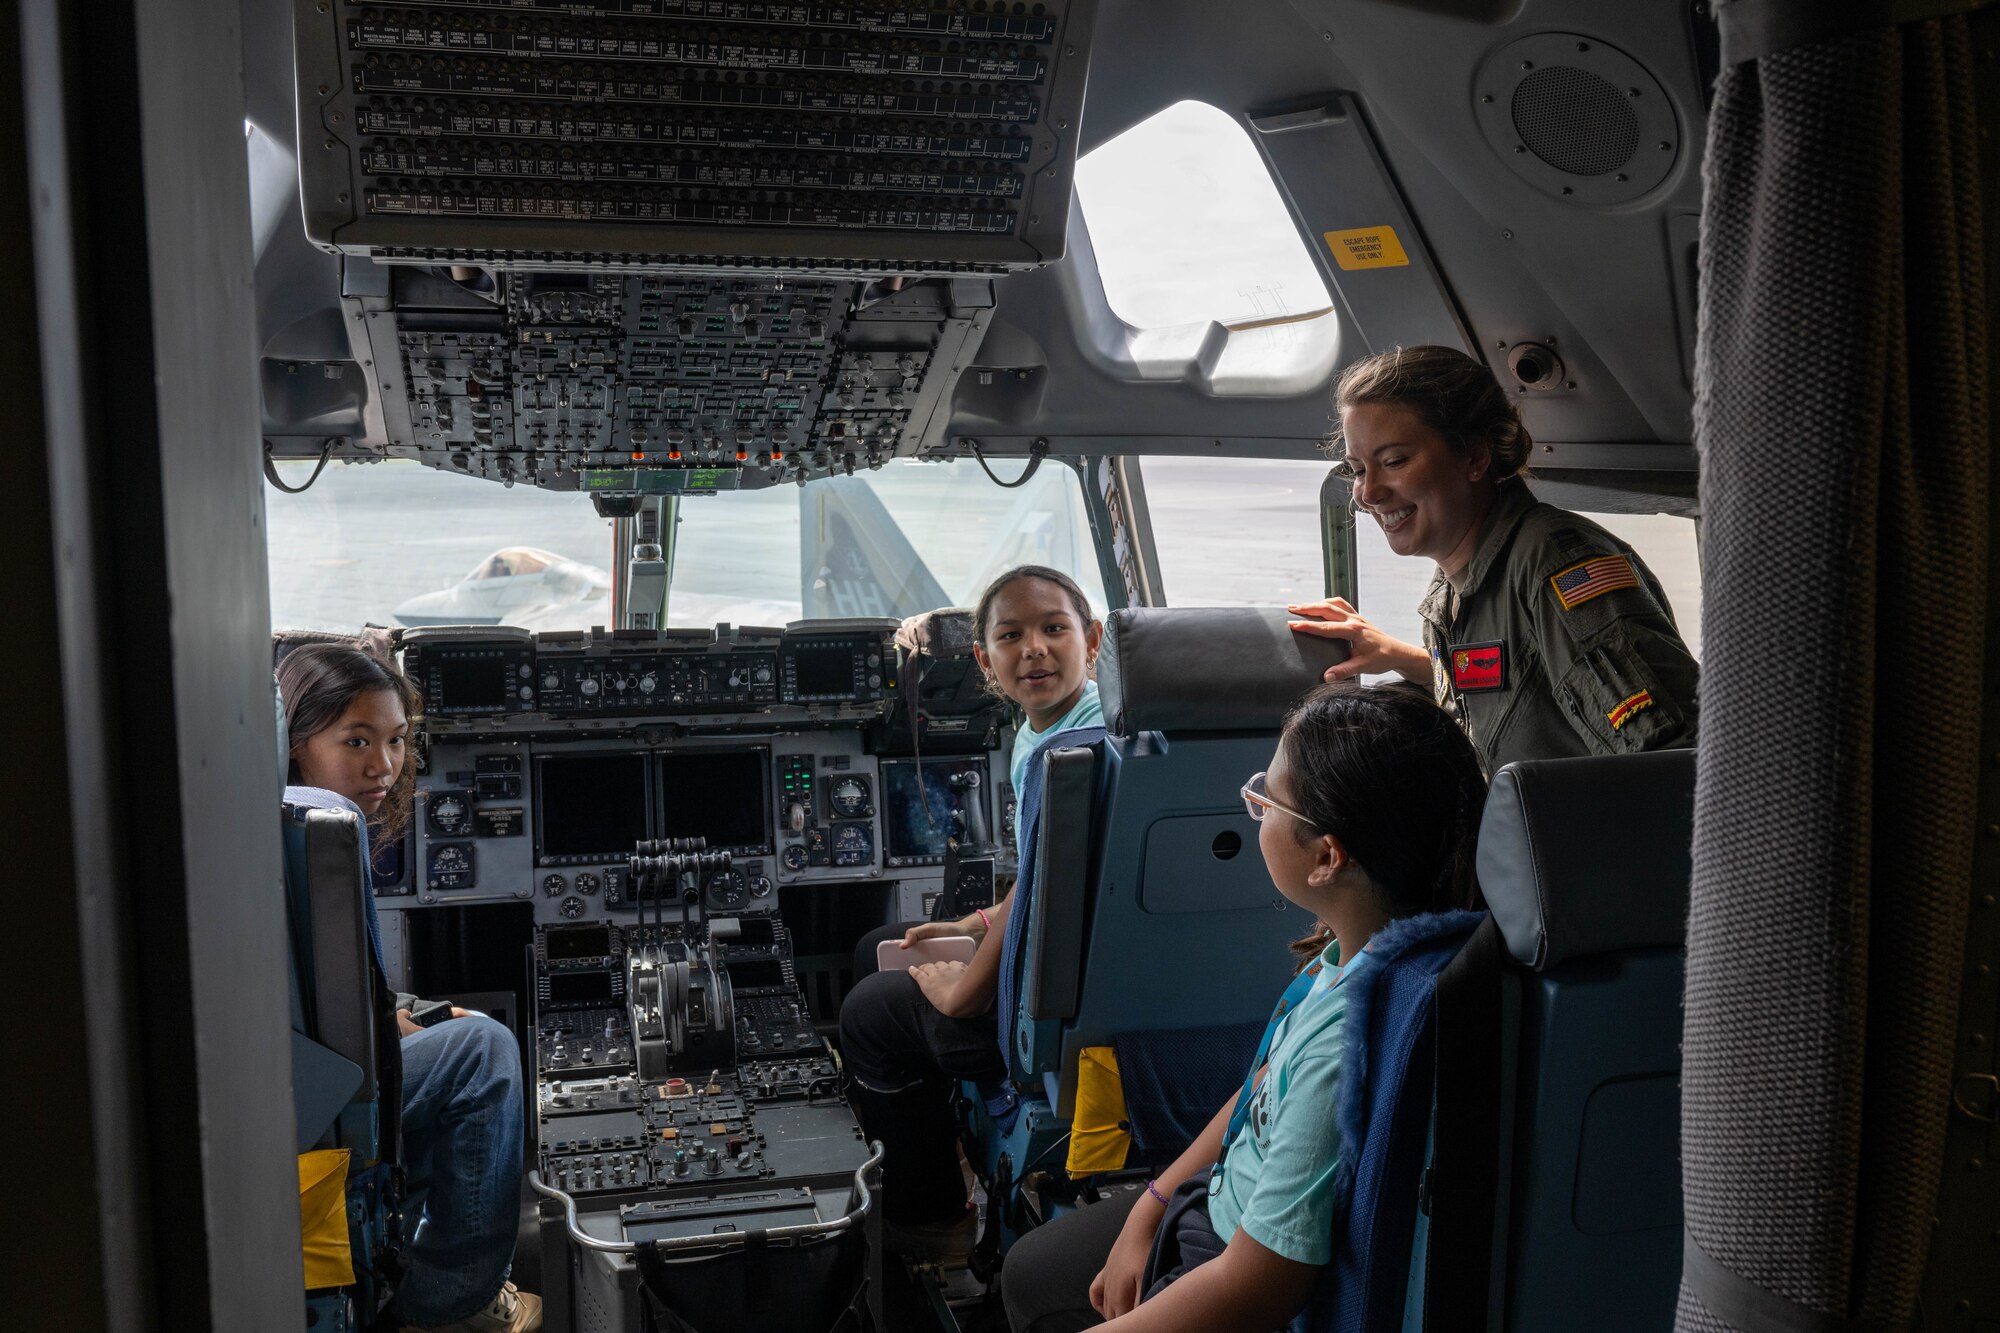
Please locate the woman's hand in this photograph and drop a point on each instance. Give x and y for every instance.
(1117, 1287)
(1369, 650)
(939, 983)
(931, 930)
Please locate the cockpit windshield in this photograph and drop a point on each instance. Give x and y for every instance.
(395, 543)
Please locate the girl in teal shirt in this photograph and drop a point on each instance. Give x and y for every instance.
(1368, 813)
(908, 1037)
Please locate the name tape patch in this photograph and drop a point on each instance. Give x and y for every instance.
(1593, 578)
(1479, 666)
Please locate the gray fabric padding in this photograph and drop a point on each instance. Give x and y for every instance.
(1588, 856)
(1841, 417)
(1206, 668)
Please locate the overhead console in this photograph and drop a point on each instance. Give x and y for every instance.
(647, 247)
(620, 384)
(878, 135)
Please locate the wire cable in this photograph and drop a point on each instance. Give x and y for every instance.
(325, 455)
(1036, 453)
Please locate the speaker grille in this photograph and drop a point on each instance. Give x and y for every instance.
(1575, 121)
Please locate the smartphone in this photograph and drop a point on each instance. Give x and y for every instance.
(891, 956)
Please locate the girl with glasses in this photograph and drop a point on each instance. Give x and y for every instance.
(1368, 814)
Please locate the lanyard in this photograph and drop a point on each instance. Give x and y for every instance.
(1295, 995)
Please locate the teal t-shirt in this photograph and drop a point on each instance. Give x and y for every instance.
(1276, 1180)
(1085, 712)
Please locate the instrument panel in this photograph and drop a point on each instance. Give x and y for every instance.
(493, 677)
(549, 758)
(561, 822)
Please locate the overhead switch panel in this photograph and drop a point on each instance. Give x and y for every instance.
(841, 138)
(661, 382)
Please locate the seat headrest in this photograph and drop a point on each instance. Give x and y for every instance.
(1206, 668)
(1589, 856)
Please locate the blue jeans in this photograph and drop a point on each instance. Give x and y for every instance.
(462, 1112)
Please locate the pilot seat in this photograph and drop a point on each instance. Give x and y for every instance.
(346, 1062)
(1146, 941)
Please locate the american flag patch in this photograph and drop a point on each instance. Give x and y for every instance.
(1593, 578)
(1622, 714)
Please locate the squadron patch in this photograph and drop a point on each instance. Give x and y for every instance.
(1479, 666)
(1628, 708)
(1593, 578)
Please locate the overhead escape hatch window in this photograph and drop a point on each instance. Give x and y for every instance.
(1189, 230)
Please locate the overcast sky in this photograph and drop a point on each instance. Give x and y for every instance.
(1188, 226)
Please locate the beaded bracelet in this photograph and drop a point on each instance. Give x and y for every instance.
(1154, 1190)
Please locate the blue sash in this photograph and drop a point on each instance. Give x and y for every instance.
(1295, 995)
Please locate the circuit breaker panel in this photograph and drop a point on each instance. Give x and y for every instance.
(878, 135)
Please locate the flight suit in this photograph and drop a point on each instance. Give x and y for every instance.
(1557, 641)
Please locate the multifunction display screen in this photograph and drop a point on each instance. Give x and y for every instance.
(469, 684)
(589, 807)
(571, 942)
(720, 795)
(917, 813)
(824, 671)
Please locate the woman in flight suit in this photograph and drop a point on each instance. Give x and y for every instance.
(1543, 632)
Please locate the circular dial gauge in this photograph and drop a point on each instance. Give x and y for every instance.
(449, 813)
(726, 888)
(849, 797)
(554, 886)
(760, 886)
(450, 867)
(586, 882)
(794, 857)
(572, 907)
(852, 844)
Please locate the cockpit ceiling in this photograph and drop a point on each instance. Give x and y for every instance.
(669, 245)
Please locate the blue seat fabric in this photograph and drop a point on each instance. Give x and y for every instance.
(1383, 1108)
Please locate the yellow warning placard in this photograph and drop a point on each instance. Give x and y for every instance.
(1367, 247)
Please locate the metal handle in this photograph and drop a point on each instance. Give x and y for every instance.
(864, 1201)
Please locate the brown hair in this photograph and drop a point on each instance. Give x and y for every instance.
(1392, 776)
(318, 682)
(983, 614)
(1450, 392)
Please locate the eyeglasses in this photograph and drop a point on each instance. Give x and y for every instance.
(1257, 800)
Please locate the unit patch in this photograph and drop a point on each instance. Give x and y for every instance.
(1627, 708)
(1479, 666)
(1593, 578)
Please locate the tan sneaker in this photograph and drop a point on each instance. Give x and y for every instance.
(511, 1311)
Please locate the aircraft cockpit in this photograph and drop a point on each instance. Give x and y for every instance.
(790, 555)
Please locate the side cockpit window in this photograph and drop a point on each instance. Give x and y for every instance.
(1189, 230)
